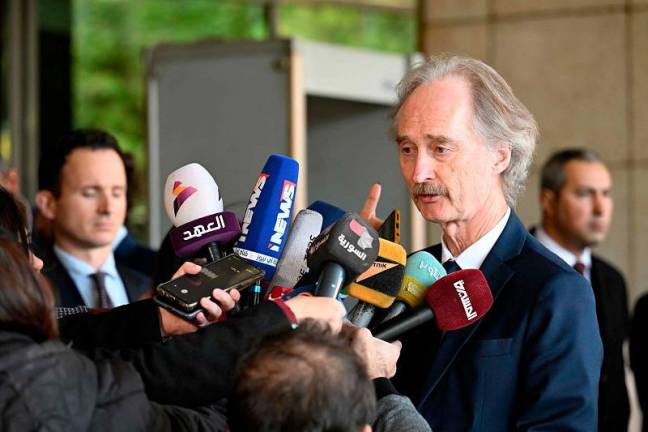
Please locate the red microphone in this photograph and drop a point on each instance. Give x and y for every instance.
(455, 301)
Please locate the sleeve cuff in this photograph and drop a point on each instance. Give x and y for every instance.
(288, 312)
(384, 387)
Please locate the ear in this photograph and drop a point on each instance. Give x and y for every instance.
(547, 201)
(46, 203)
(502, 158)
(366, 428)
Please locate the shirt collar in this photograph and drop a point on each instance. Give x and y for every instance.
(564, 254)
(474, 256)
(121, 234)
(74, 265)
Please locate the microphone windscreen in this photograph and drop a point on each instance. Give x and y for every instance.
(330, 213)
(351, 242)
(191, 193)
(267, 217)
(221, 228)
(421, 270)
(382, 281)
(292, 264)
(459, 299)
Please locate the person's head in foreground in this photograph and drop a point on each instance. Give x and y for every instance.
(305, 380)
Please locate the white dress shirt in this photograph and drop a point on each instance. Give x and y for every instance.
(473, 257)
(564, 254)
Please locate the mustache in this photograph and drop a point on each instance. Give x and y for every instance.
(429, 189)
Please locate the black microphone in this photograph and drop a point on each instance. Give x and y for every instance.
(341, 252)
(378, 286)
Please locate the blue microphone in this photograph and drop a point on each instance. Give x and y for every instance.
(330, 213)
(267, 217)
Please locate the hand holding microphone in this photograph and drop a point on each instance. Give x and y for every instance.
(324, 309)
(379, 357)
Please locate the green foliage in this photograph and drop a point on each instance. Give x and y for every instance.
(110, 37)
(350, 26)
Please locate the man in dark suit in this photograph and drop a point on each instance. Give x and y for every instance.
(533, 362)
(135, 284)
(639, 354)
(83, 196)
(576, 200)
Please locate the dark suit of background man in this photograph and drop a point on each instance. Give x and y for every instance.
(83, 195)
(576, 200)
(533, 362)
(639, 354)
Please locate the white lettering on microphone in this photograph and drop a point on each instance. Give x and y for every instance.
(465, 300)
(287, 197)
(200, 230)
(249, 212)
(432, 270)
(315, 246)
(304, 269)
(346, 244)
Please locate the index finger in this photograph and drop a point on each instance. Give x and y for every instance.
(371, 204)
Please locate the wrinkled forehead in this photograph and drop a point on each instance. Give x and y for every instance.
(441, 109)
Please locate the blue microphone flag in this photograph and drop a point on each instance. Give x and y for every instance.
(267, 216)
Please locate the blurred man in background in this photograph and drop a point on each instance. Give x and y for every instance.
(576, 200)
(82, 194)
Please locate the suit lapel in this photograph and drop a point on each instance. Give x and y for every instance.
(497, 273)
(135, 283)
(67, 293)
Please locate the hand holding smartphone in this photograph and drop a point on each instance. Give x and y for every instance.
(182, 295)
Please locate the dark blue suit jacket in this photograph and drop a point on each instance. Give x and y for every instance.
(67, 294)
(132, 254)
(532, 363)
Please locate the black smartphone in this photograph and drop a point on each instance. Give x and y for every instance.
(390, 229)
(182, 295)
